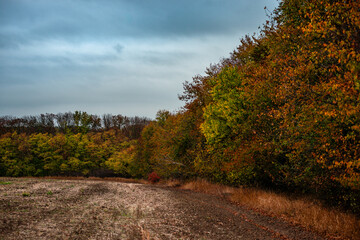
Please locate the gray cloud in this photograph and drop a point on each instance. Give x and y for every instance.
(75, 20)
(116, 56)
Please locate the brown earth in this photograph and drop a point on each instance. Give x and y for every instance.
(73, 209)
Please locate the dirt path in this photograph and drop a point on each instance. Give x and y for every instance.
(71, 209)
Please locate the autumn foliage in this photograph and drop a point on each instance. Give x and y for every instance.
(153, 177)
(71, 144)
(282, 111)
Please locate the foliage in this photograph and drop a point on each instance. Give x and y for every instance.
(282, 111)
(153, 177)
(122, 161)
(65, 154)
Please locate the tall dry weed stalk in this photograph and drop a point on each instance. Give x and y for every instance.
(145, 235)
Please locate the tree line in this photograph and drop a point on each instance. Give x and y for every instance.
(75, 122)
(102, 154)
(70, 144)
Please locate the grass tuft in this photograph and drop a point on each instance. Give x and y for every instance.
(26, 194)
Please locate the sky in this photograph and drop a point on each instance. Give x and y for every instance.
(128, 57)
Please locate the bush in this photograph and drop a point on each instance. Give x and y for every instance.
(153, 177)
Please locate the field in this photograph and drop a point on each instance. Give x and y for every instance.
(88, 209)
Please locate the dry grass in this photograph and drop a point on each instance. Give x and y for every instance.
(204, 186)
(305, 212)
(172, 183)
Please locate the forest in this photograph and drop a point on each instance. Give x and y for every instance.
(281, 112)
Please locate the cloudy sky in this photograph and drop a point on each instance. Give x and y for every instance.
(125, 57)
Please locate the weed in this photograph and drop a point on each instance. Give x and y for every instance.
(5, 183)
(26, 194)
(49, 193)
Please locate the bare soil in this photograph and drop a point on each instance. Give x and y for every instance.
(89, 209)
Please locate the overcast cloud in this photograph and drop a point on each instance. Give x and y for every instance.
(125, 57)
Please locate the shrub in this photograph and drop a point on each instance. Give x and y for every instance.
(153, 177)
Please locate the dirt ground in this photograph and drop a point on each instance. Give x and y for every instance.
(74, 209)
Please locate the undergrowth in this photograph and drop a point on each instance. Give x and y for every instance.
(304, 211)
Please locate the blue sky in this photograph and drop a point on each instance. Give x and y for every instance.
(127, 57)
